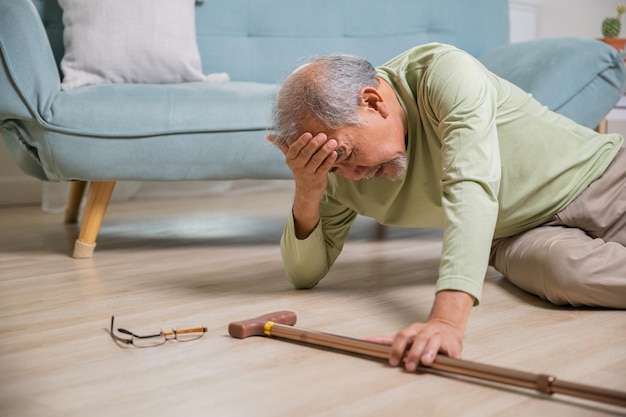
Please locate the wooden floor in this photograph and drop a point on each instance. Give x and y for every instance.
(208, 261)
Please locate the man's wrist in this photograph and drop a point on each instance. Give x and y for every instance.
(306, 216)
(452, 308)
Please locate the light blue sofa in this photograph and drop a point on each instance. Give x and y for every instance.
(212, 131)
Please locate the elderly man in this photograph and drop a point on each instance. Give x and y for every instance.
(433, 139)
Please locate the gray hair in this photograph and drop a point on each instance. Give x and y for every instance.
(327, 88)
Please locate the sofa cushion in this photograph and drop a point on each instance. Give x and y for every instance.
(133, 110)
(119, 41)
(579, 78)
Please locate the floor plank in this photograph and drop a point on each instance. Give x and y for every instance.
(211, 260)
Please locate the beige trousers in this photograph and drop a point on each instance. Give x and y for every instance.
(578, 258)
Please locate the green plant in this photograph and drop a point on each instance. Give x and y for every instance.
(611, 26)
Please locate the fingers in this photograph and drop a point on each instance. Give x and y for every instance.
(429, 353)
(315, 154)
(420, 343)
(402, 343)
(309, 147)
(404, 346)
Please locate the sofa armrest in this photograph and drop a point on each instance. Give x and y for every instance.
(29, 78)
(578, 78)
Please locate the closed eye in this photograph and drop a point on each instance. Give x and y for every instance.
(343, 151)
(340, 153)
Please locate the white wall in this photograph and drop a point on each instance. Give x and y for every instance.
(532, 19)
(575, 17)
(523, 16)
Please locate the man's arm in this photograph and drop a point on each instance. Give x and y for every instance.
(309, 245)
(459, 95)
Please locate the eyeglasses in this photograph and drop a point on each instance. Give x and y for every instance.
(184, 335)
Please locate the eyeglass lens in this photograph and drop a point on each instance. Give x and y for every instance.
(184, 335)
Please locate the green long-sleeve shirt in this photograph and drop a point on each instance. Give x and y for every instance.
(485, 160)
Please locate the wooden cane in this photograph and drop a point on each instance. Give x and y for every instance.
(278, 324)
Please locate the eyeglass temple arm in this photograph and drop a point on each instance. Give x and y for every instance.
(161, 333)
(128, 332)
(195, 330)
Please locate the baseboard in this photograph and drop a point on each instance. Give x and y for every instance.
(16, 191)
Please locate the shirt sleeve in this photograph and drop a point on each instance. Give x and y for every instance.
(459, 95)
(307, 261)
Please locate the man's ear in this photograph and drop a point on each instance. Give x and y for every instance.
(372, 98)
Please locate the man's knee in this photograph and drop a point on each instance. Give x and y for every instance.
(565, 268)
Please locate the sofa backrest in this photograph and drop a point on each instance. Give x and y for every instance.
(263, 40)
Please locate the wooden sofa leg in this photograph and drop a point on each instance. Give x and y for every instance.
(72, 210)
(97, 203)
(381, 232)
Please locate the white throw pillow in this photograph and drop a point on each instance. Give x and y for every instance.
(129, 41)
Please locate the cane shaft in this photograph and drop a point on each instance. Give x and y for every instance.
(590, 392)
(311, 337)
(546, 384)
